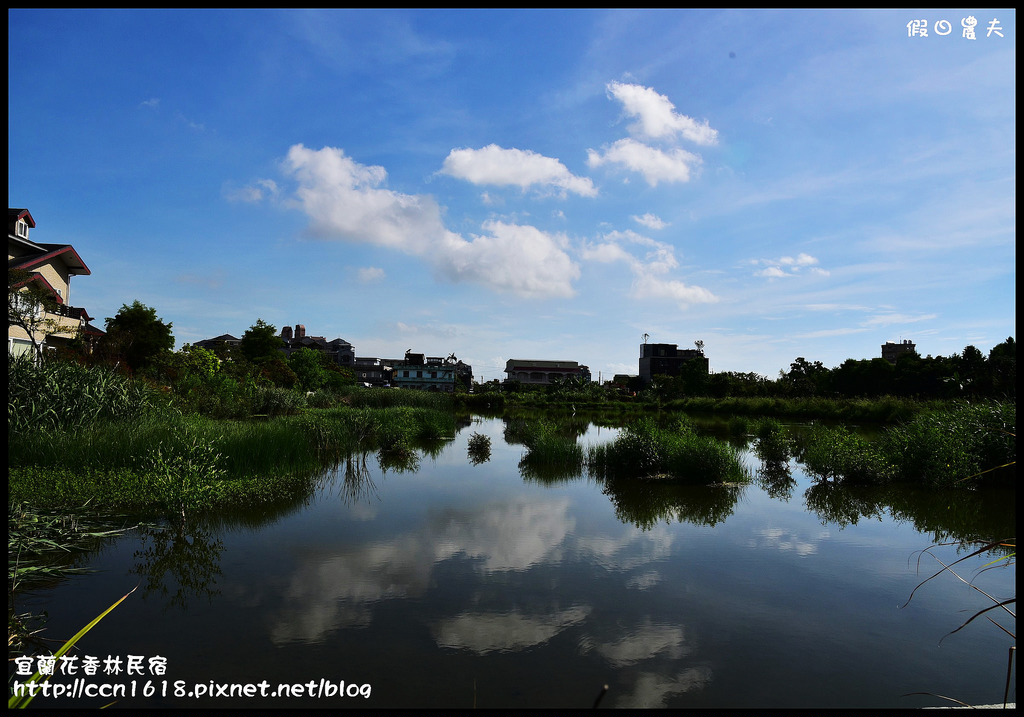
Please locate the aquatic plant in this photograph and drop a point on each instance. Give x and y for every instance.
(1008, 548)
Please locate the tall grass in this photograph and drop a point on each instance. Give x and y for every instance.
(60, 395)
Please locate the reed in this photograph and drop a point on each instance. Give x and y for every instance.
(59, 395)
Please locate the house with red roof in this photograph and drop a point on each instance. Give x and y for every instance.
(48, 267)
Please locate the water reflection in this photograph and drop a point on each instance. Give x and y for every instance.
(776, 479)
(467, 569)
(958, 515)
(646, 503)
(332, 591)
(179, 562)
(483, 632)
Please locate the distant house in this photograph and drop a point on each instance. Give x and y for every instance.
(892, 351)
(50, 267)
(430, 373)
(338, 351)
(218, 342)
(529, 371)
(668, 360)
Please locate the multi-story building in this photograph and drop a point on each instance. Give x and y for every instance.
(430, 373)
(48, 267)
(529, 371)
(668, 360)
(372, 371)
(892, 351)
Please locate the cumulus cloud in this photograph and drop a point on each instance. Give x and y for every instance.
(515, 258)
(345, 200)
(521, 168)
(656, 165)
(656, 120)
(348, 201)
(656, 115)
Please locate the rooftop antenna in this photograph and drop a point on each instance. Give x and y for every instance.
(646, 336)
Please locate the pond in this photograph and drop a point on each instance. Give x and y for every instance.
(463, 584)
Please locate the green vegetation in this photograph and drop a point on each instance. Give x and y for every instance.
(646, 450)
(967, 444)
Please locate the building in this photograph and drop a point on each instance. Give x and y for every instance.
(372, 371)
(50, 268)
(669, 360)
(338, 351)
(430, 373)
(543, 373)
(223, 340)
(892, 351)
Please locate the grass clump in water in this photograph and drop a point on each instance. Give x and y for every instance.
(549, 452)
(646, 450)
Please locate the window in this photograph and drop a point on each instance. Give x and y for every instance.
(21, 229)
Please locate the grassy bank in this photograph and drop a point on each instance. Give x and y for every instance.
(140, 465)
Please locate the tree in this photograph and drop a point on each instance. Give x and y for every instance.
(137, 336)
(261, 343)
(1002, 363)
(308, 365)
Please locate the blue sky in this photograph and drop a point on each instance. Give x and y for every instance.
(542, 184)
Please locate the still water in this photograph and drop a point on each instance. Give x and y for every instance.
(461, 584)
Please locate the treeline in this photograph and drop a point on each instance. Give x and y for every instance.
(252, 377)
(968, 374)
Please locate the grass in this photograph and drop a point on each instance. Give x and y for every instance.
(211, 463)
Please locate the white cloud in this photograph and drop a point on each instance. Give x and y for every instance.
(343, 199)
(256, 192)
(788, 266)
(650, 221)
(346, 200)
(674, 165)
(522, 168)
(370, 274)
(648, 286)
(515, 258)
(892, 318)
(648, 271)
(657, 118)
